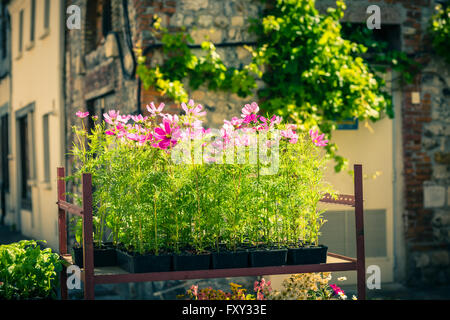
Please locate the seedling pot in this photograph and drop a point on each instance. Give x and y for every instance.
(229, 259)
(135, 263)
(190, 261)
(307, 255)
(268, 257)
(103, 257)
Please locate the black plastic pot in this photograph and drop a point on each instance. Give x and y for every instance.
(268, 257)
(229, 259)
(103, 257)
(135, 263)
(190, 261)
(307, 255)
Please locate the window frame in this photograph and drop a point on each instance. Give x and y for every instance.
(46, 147)
(32, 21)
(20, 34)
(5, 147)
(25, 146)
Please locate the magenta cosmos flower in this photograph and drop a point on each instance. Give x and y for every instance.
(154, 111)
(166, 135)
(290, 134)
(139, 118)
(111, 116)
(249, 109)
(336, 289)
(81, 114)
(191, 110)
(317, 139)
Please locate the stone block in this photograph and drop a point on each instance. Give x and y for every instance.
(439, 258)
(440, 171)
(176, 20)
(448, 196)
(201, 35)
(434, 196)
(237, 21)
(221, 22)
(188, 21)
(194, 5)
(442, 157)
(421, 260)
(205, 21)
(441, 219)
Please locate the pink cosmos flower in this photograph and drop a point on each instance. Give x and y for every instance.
(336, 289)
(154, 111)
(172, 118)
(111, 116)
(123, 119)
(249, 109)
(276, 120)
(139, 118)
(251, 118)
(290, 134)
(166, 135)
(194, 290)
(317, 139)
(81, 114)
(233, 123)
(291, 126)
(191, 110)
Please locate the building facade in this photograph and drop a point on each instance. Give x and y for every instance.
(36, 142)
(5, 105)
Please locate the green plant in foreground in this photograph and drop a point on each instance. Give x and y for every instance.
(27, 271)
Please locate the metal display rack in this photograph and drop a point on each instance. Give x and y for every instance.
(105, 275)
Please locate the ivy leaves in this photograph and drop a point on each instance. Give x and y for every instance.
(180, 63)
(313, 75)
(316, 78)
(440, 31)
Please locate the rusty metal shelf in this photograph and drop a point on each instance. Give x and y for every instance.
(92, 276)
(103, 275)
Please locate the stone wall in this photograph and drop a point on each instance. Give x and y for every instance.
(216, 21)
(428, 232)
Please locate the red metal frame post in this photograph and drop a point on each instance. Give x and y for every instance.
(359, 222)
(88, 242)
(61, 186)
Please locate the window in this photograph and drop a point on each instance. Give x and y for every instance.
(20, 31)
(25, 148)
(98, 22)
(3, 32)
(46, 14)
(46, 146)
(25, 168)
(32, 20)
(4, 151)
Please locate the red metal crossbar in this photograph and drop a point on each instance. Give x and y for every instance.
(90, 279)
